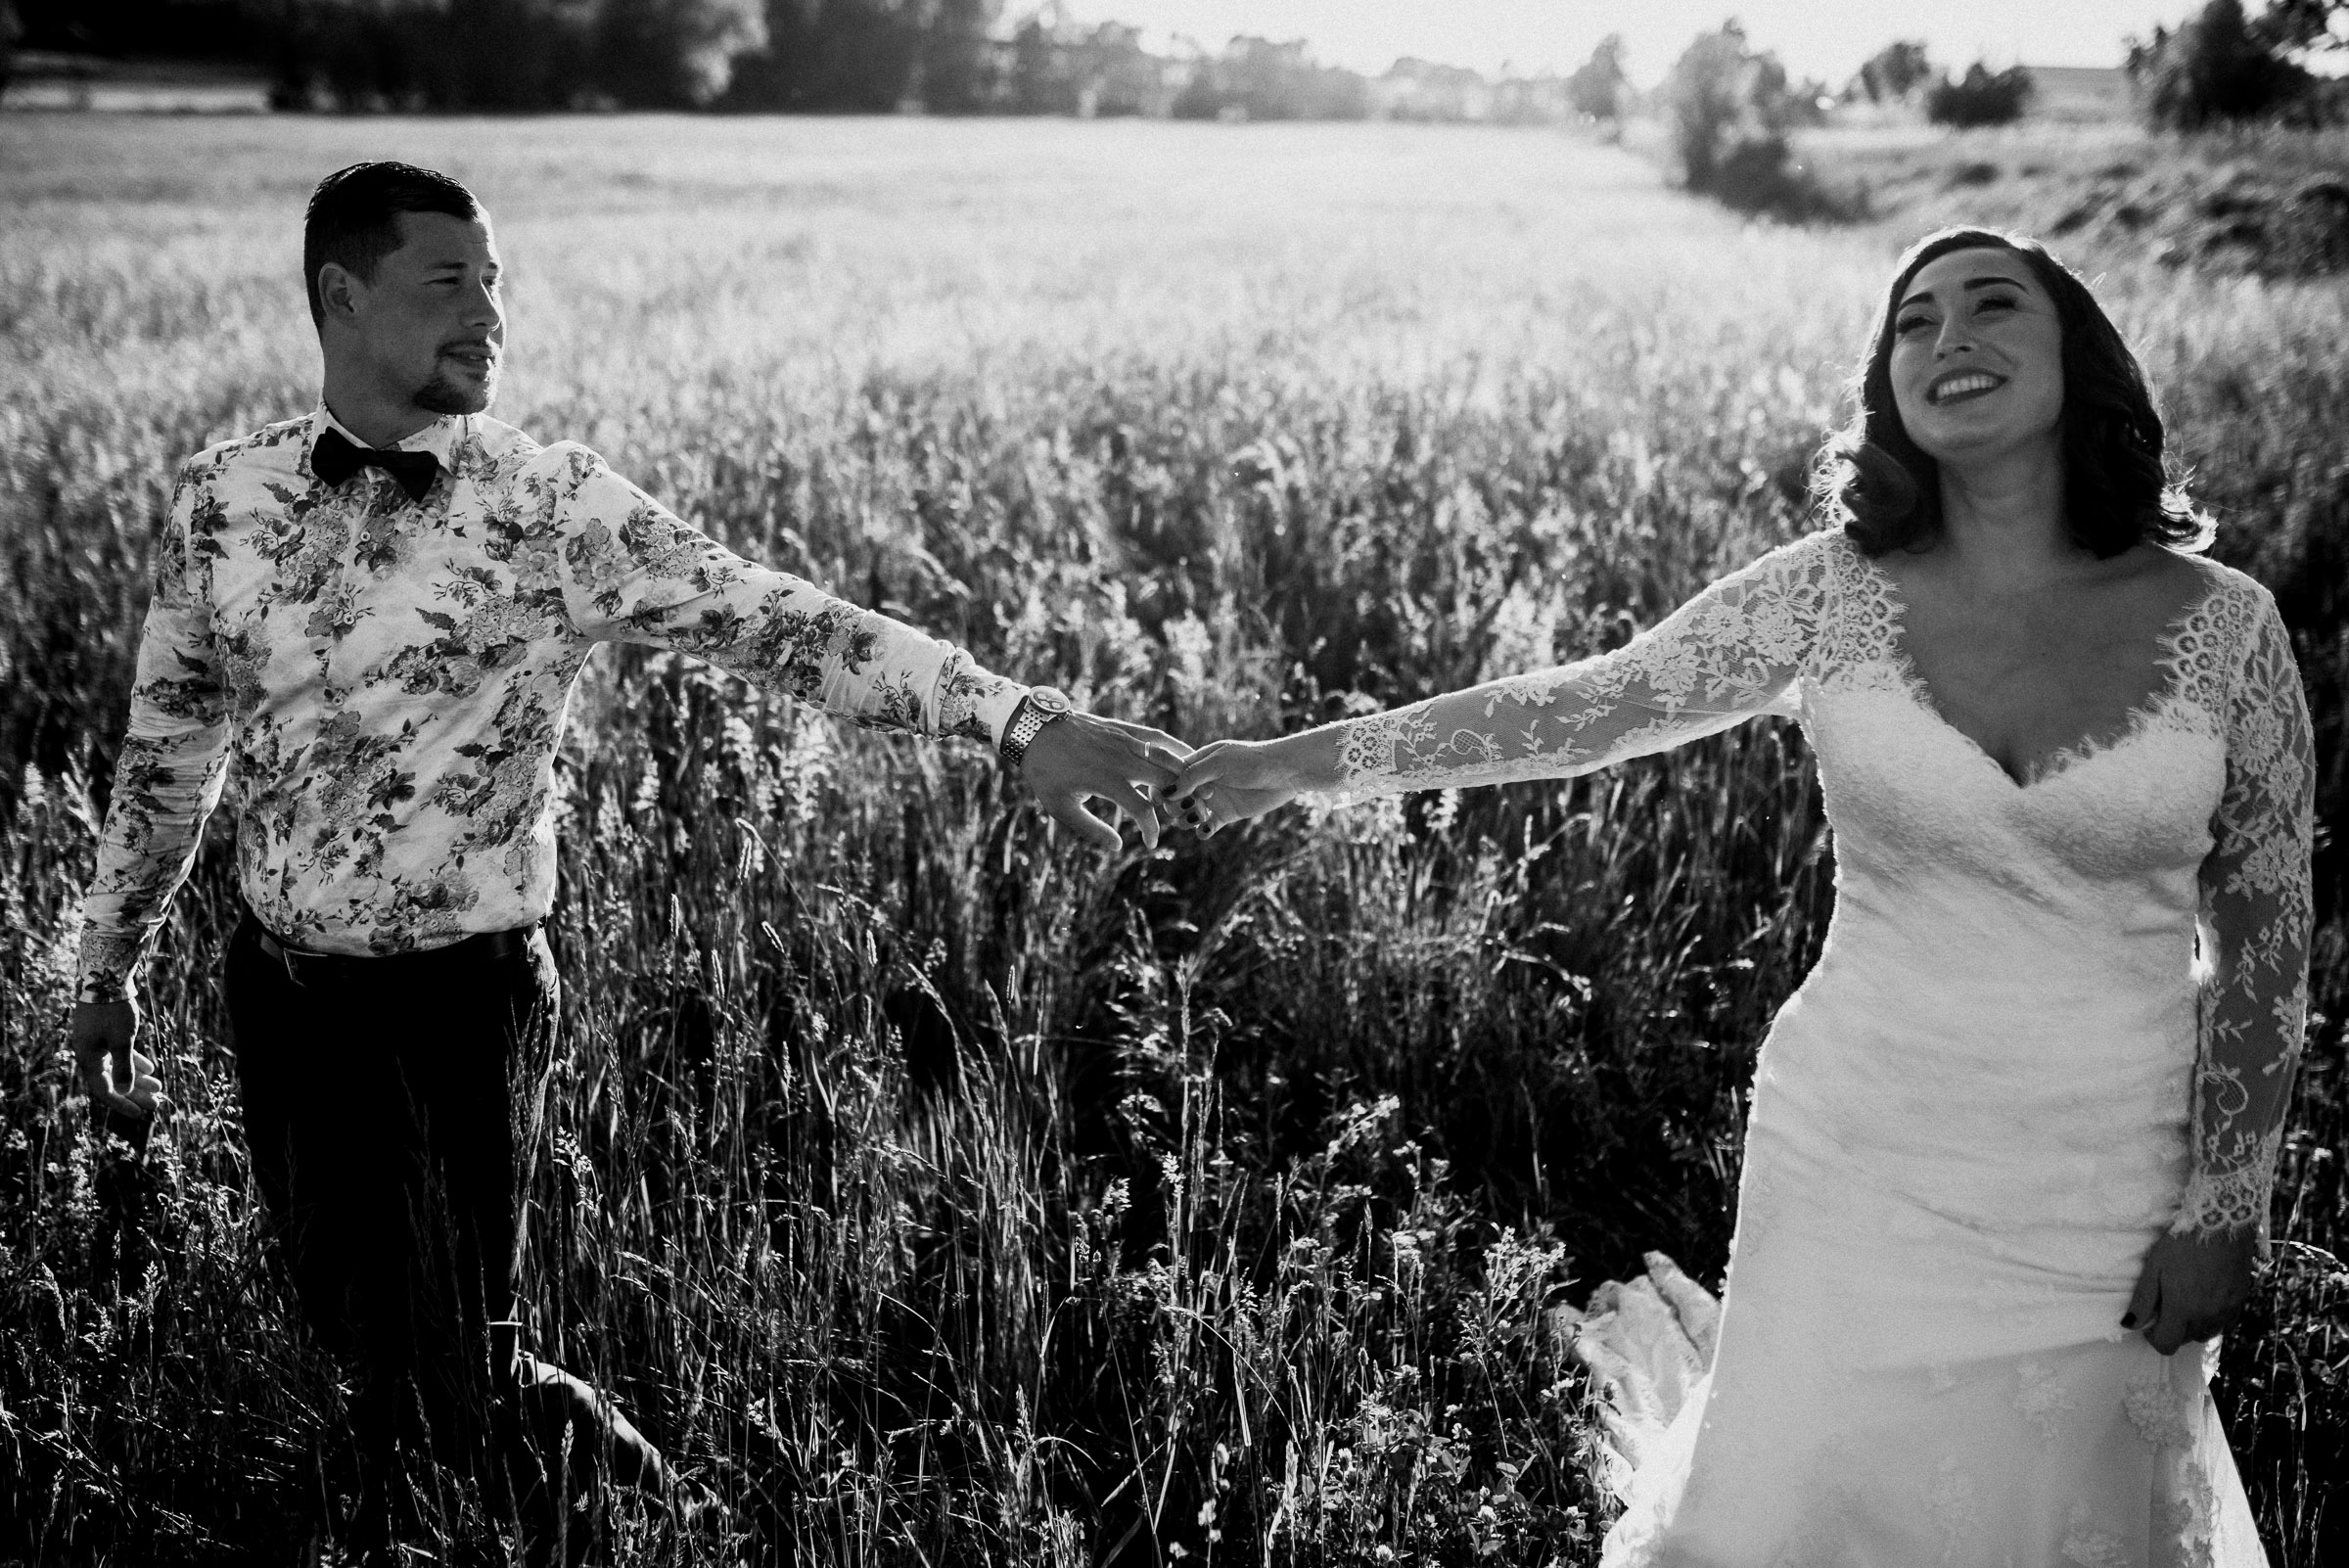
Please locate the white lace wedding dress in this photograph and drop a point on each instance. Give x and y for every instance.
(2013, 1066)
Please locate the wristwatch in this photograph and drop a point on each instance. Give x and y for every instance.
(1041, 706)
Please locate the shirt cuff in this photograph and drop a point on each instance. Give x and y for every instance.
(973, 702)
(105, 961)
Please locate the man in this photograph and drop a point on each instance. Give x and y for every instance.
(370, 619)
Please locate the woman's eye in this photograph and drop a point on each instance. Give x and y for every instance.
(1909, 324)
(1997, 303)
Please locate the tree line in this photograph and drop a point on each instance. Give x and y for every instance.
(2222, 64)
(1729, 104)
(953, 56)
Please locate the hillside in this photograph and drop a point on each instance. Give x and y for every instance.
(2271, 202)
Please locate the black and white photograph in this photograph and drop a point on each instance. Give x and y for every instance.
(1282, 783)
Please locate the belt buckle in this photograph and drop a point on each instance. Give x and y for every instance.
(286, 958)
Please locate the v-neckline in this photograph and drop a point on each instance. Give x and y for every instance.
(2054, 764)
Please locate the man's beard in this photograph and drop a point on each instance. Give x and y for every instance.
(444, 395)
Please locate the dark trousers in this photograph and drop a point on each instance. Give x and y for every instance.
(393, 1108)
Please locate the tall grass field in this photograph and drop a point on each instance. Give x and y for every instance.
(936, 1189)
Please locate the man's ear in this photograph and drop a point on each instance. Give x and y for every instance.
(339, 292)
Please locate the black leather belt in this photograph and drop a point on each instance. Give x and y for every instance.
(302, 967)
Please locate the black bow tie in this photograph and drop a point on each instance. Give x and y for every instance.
(335, 460)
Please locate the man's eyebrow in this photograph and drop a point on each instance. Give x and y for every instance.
(1991, 282)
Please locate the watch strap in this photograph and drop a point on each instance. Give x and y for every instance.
(1028, 721)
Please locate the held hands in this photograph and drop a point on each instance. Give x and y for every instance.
(1152, 776)
(1231, 781)
(121, 1081)
(2191, 1286)
(1087, 757)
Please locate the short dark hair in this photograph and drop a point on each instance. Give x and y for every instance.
(1886, 491)
(353, 219)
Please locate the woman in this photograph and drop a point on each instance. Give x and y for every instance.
(2011, 1142)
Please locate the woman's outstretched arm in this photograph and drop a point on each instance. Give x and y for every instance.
(1727, 655)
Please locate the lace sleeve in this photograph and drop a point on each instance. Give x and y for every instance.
(1727, 655)
(2256, 915)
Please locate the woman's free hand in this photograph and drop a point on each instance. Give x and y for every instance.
(1230, 781)
(2191, 1286)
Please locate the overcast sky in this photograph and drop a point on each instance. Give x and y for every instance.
(1824, 38)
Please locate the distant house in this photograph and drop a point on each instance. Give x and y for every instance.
(2080, 92)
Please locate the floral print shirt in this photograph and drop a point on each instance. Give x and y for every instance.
(381, 683)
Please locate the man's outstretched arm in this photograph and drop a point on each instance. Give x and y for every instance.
(629, 571)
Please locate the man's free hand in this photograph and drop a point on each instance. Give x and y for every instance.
(2191, 1286)
(1087, 757)
(117, 1078)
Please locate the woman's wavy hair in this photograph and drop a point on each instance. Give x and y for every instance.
(1886, 492)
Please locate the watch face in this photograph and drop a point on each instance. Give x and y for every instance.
(1049, 701)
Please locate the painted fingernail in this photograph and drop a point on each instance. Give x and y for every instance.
(2128, 1319)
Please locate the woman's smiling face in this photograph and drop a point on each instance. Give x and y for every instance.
(1977, 357)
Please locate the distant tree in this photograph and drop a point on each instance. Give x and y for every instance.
(671, 53)
(1414, 89)
(10, 30)
(1040, 82)
(1257, 78)
(172, 29)
(1061, 68)
(1705, 97)
(1981, 97)
(1201, 95)
(833, 57)
(520, 55)
(2215, 67)
(1777, 102)
(361, 53)
(1720, 95)
(1598, 87)
(1115, 74)
(2306, 25)
(958, 57)
(1892, 71)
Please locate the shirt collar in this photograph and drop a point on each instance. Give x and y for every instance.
(440, 437)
